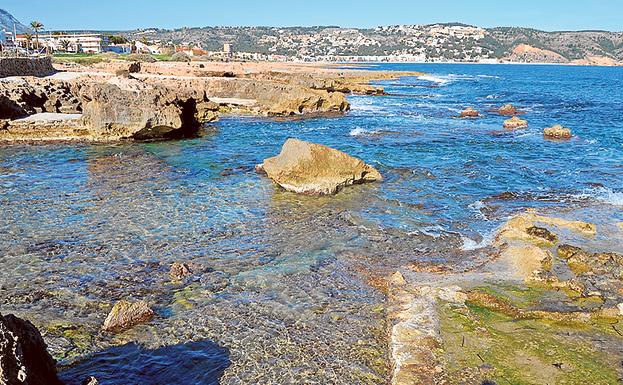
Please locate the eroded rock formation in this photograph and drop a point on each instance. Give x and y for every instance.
(469, 112)
(314, 169)
(557, 132)
(515, 123)
(138, 105)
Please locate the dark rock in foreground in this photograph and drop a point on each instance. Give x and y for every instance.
(24, 359)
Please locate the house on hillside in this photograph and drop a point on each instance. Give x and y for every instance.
(141, 47)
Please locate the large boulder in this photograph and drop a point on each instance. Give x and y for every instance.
(314, 169)
(24, 358)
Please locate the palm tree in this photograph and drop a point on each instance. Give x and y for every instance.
(65, 44)
(28, 38)
(36, 26)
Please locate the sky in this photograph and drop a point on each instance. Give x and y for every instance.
(550, 15)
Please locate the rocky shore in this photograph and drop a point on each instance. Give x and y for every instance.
(140, 101)
(541, 311)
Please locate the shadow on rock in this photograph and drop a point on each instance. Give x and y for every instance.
(199, 362)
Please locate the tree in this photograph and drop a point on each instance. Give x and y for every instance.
(117, 39)
(65, 44)
(28, 38)
(36, 26)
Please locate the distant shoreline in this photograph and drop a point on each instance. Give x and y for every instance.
(363, 64)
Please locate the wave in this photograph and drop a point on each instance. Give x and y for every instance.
(362, 132)
(443, 80)
(609, 196)
(470, 244)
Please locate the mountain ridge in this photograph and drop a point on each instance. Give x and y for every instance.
(8, 22)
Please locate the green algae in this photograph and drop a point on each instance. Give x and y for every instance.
(186, 297)
(81, 339)
(483, 342)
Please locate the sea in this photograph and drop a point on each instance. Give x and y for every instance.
(282, 286)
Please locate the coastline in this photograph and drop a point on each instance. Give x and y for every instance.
(267, 273)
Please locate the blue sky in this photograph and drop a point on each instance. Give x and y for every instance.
(130, 14)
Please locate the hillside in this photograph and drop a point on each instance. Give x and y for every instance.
(435, 42)
(7, 21)
(439, 42)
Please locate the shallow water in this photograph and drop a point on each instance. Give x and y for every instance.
(279, 292)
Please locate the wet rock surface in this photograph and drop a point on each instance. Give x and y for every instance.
(24, 358)
(125, 315)
(314, 169)
(515, 123)
(469, 112)
(557, 132)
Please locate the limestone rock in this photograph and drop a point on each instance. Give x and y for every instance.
(541, 232)
(124, 315)
(314, 169)
(127, 108)
(469, 112)
(179, 271)
(24, 358)
(515, 123)
(507, 109)
(557, 132)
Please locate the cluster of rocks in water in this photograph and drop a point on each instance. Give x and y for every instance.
(556, 132)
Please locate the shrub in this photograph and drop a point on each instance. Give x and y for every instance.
(139, 57)
(180, 57)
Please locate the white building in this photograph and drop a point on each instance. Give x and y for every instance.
(83, 42)
(145, 48)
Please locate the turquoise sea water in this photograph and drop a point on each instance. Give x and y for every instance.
(279, 289)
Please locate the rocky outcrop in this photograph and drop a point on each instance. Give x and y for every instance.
(314, 169)
(557, 132)
(515, 123)
(26, 66)
(124, 315)
(27, 96)
(24, 358)
(507, 109)
(144, 106)
(469, 112)
(129, 108)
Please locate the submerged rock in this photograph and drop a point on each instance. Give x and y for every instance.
(314, 169)
(24, 358)
(125, 315)
(469, 112)
(179, 271)
(557, 132)
(515, 123)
